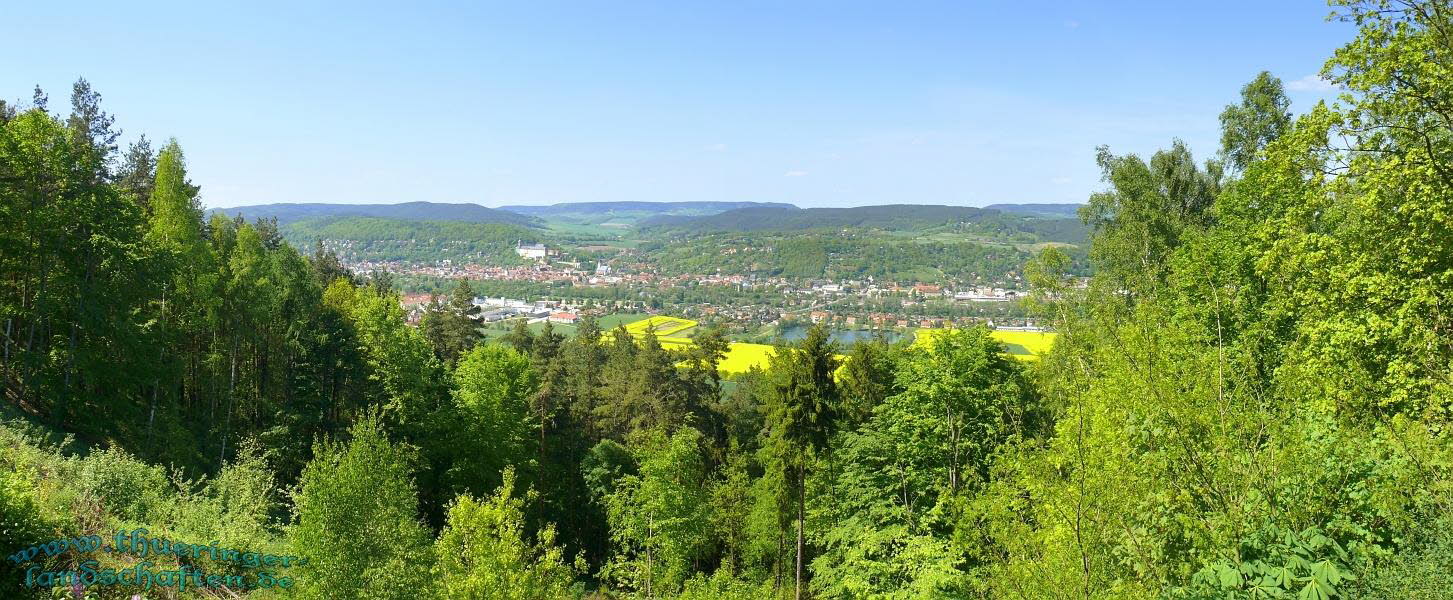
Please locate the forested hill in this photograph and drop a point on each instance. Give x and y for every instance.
(652, 208)
(423, 211)
(891, 217)
(1064, 211)
(380, 239)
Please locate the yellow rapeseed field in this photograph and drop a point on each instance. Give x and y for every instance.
(1023, 345)
(741, 357)
(660, 325)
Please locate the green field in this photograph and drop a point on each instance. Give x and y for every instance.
(609, 322)
(606, 323)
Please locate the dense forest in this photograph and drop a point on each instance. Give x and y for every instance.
(413, 211)
(630, 211)
(357, 239)
(1251, 399)
(840, 255)
(900, 217)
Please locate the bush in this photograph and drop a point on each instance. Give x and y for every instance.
(357, 523)
(129, 489)
(235, 508)
(723, 586)
(483, 553)
(1422, 570)
(21, 526)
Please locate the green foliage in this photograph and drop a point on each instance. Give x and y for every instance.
(1140, 220)
(452, 328)
(721, 585)
(907, 472)
(401, 360)
(21, 526)
(493, 386)
(176, 215)
(239, 507)
(357, 522)
(482, 551)
(801, 414)
(603, 467)
(867, 379)
(130, 489)
(1421, 570)
(659, 516)
(1275, 563)
(1260, 119)
(805, 401)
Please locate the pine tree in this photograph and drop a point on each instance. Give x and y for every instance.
(801, 416)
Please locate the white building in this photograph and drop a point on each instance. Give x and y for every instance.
(532, 251)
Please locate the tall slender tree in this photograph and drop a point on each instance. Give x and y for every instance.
(801, 416)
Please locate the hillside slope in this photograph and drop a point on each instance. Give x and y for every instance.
(422, 211)
(648, 208)
(891, 217)
(381, 239)
(1062, 211)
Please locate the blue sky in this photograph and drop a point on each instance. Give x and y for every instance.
(814, 103)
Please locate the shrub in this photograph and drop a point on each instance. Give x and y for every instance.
(128, 488)
(483, 553)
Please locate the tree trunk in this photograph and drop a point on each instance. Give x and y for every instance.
(155, 381)
(6, 373)
(231, 386)
(649, 535)
(801, 514)
(781, 549)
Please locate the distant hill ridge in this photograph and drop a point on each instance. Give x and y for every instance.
(414, 211)
(1053, 221)
(891, 217)
(792, 217)
(1068, 211)
(581, 208)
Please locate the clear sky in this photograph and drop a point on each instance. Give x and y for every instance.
(815, 103)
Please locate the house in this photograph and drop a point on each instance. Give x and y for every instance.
(819, 316)
(564, 318)
(925, 288)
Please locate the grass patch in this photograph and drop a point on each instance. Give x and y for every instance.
(609, 322)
